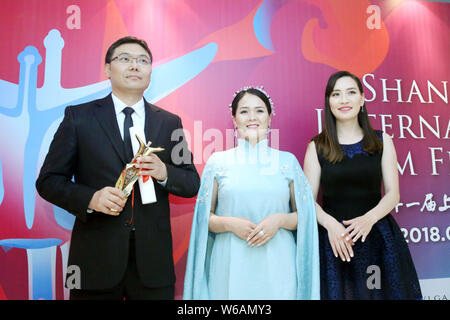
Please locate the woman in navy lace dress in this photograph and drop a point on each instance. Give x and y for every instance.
(363, 254)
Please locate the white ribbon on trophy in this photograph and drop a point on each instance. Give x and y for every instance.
(147, 188)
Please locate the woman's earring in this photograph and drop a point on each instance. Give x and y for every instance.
(362, 108)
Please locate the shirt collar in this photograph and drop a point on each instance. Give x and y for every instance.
(119, 105)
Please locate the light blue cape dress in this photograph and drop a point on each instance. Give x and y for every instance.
(253, 182)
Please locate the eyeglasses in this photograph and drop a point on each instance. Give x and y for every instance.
(127, 59)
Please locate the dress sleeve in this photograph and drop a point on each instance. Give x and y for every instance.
(201, 240)
(307, 259)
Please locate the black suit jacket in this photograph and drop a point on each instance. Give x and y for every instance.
(88, 148)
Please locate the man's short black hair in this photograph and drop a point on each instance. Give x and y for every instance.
(124, 40)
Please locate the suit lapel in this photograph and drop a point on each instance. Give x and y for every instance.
(106, 116)
(153, 123)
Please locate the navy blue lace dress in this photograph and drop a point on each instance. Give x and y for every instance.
(382, 267)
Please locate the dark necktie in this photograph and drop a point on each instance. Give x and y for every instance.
(127, 124)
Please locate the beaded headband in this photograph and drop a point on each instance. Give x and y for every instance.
(260, 89)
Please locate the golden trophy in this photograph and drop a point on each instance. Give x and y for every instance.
(130, 174)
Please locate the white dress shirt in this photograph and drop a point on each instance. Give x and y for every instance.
(138, 117)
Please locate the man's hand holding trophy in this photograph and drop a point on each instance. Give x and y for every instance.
(130, 174)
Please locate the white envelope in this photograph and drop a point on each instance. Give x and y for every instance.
(147, 188)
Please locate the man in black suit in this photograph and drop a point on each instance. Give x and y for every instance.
(121, 250)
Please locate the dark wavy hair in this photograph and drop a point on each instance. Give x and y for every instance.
(327, 143)
(124, 40)
(253, 91)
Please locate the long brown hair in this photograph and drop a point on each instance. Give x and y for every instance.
(327, 142)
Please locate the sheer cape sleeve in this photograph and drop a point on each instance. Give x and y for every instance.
(307, 259)
(201, 240)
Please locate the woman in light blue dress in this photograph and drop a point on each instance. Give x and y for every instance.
(254, 231)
